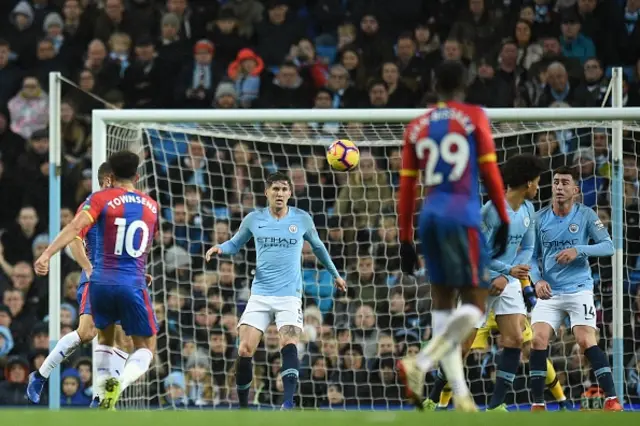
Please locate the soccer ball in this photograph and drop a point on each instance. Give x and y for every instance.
(343, 155)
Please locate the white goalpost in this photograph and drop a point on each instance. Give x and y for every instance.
(239, 147)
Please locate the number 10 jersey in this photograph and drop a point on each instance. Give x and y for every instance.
(125, 223)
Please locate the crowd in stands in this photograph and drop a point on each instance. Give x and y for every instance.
(321, 54)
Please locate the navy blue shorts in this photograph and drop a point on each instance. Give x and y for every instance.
(126, 304)
(456, 255)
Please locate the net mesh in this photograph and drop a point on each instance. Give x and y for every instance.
(207, 177)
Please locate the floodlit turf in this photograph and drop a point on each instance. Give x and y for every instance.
(307, 418)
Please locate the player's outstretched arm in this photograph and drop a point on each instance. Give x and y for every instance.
(603, 246)
(81, 221)
(236, 242)
(80, 255)
(321, 252)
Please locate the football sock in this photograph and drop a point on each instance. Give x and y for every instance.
(601, 369)
(290, 368)
(538, 373)
(137, 364)
(507, 369)
(453, 367)
(553, 384)
(102, 356)
(438, 386)
(65, 347)
(244, 376)
(117, 362)
(445, 396)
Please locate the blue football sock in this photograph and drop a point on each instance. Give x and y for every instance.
(289, 373)
(244, 375)
(507, 369)
(538, 372)
(602, 369)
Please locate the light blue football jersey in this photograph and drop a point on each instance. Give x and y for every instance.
(556, 233)
(521, 236)
(279, 249)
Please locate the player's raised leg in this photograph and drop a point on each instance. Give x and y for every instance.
(85, 332)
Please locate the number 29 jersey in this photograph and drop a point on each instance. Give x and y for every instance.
(126, 222)
(448, 144)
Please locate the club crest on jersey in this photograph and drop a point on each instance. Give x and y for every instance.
(574, 228)
(527, 221)
(293, 229)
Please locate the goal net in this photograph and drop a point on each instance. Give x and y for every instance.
(208, 176)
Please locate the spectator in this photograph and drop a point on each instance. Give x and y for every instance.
(226, 32)
(76, 133)
(29, 109)
(12, 390)
(113, 19)
(245, 71)
(592, 187)
(198, 80)
(72, 391)
(559, 88)
(9, 73)
(190, 24)
(276, 34)
(287, 90)
(143, 79)
(592, 90)
(22, 34)
(21, 235)
(529, 52)
(373, 45)
(226, 96)
(172, 47)
(575, 44)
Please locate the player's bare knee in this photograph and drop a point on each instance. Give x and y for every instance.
(289, 334)
(246, 349)
(512, 341)
(540, 340)
(585, 337)
(86, 330)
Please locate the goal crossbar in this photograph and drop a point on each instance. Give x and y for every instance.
(353, 115)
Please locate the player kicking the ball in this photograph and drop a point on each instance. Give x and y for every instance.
(279, 232)
(564, 284)
(510, 294)
(126, 220)
(108, 358)
(452, 145)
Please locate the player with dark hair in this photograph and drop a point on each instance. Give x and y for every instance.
(452, 146)
(127, 221)
(106, 355)
(510, 294)
(279, 232)
(564, 283)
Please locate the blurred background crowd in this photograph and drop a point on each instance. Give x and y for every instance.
(322, 54)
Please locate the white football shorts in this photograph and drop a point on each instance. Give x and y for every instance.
(262, 310)
(510, 302)
(579, 307)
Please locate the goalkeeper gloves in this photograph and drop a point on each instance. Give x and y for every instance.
(528, 294)
(408, 258)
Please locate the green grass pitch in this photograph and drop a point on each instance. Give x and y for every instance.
(311, 418)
